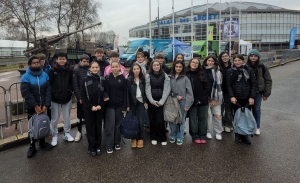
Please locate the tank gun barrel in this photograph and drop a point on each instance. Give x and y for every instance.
(70, 33)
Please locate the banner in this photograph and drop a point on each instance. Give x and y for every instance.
(210, 35)
(231, 30)
(293, 37)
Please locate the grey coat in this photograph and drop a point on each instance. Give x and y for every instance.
(166, 90)
(182, 86)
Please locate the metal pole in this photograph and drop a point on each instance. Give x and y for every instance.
(239, 50)
(230, 31)
(158, 18)
(192, 27)
(173, 22)
(150, 32)
(220, 9)
(207, 28)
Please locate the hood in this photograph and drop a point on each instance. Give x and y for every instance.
(89, 74)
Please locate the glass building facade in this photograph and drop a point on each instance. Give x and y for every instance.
(267, 27)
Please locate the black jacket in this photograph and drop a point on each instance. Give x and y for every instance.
(79, 74)
(116, 89)
(102, 63)
(224, 75)
(241, 89)
(166, 69)
(92, 91)
(200, 88)
(61, 84)
(132, 87)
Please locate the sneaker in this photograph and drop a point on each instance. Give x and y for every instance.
(197, 141)
(109, 151)
(179, 142)
(31, 152)
(92, 153)
(203, 141)
(172, 140)
(246, 139)
(208, 135)
(98, 152)
(117, 147)
(226, 129)
(257, 131)
(54, 141)
(46, 146)
(164, 143)
(218, 136)
(154, 142)
(68, 137)
(77, 137)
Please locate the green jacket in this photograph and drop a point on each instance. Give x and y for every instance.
(264, 80)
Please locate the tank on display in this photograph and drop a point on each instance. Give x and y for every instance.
(199, 48)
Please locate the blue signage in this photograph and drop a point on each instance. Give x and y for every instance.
(196, 19)
(293, 37)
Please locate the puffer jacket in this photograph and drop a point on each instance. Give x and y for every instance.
(241, 89)
(263, 78)
(200, 88)
(35, 89)
(61, 84)
(224, 75)
(79, 74)
(102, 63)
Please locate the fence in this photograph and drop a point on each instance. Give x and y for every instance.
(12, 107)
(289, 54)
(267, 58)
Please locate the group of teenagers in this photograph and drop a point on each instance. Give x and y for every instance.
(105, 92)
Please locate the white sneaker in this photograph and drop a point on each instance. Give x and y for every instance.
(226, 129)
(68, 137)
(208, 135)
(163, 143)
(77, 137)
(218, 136)
(54, 141)
(154, 142)
(257, 131)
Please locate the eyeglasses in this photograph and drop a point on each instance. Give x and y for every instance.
(35, 63)
(253, 56)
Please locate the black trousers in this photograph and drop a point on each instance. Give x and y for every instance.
(80, 115)
(30, 113)
(93, 124)
(140, 112)
(157, 123)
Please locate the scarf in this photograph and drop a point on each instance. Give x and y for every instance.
(241, 70)
(35, 71)
(143, 66)
(216, 92)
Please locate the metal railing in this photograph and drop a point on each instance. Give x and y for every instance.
(290, 54)
(267, 58)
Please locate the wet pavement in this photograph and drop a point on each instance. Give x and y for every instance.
(273, 156)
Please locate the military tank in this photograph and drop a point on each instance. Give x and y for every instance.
(74, 50)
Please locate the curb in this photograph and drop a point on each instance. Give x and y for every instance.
(18, 140)
(22, 139)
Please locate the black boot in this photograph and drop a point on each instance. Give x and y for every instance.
(246, 139)
(238, 138)
(45, 145)
(31, 151)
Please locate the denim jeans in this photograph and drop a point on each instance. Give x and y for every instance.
(177, 131)
(198, 122)
(257, 106)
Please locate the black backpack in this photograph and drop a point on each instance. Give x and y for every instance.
(131, 126)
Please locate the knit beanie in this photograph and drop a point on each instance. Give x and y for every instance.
(84, 56)
(254, 52)
(31, 58)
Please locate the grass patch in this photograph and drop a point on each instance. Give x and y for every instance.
(9, 68)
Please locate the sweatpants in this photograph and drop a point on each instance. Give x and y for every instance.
(56, 109)
(93, 124)
(112, 124)
(30, 113)
(213, 122)
(80, 115)
(140, 112)
(157, 123)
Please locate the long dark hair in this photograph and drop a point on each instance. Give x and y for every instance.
(221, 63)
(175, 59)
(150, 71)
(216, 65)
(173, 72)
(200, 70)
(131, 74)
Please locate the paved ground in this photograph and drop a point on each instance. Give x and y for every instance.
(272, 157)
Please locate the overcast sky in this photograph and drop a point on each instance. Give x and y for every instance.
(122, 15)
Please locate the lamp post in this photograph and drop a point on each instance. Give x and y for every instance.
(158, 18)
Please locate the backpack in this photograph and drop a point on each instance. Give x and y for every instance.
(172, 111)
(39, 126)
(244, 122)
(131, 126)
